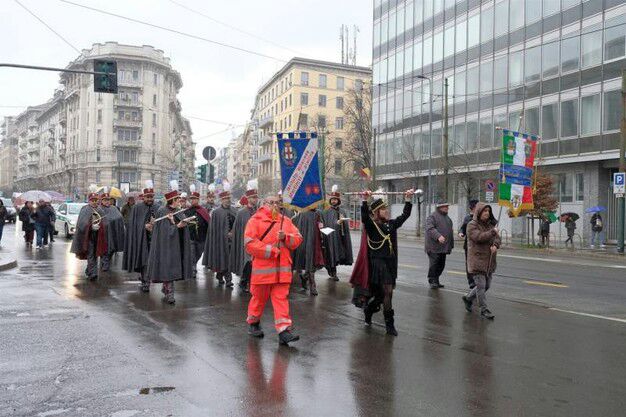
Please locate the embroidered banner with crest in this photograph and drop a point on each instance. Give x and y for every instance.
(516, 171)
(299, 169)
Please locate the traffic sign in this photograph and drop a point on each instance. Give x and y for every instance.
(209, 153)
(489, 196)
(490, 185)
(619, 183)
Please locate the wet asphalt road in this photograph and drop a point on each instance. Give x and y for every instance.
(76, 348)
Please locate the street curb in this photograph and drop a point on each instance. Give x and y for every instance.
(9, 264)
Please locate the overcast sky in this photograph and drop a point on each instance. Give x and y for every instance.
(218, 83)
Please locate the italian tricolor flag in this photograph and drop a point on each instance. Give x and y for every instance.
(516, 171)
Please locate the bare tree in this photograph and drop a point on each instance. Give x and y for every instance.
(357, 109)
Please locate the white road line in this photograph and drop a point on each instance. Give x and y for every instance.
(595, 316)
(560, 261)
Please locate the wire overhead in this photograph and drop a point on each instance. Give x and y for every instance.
(178, 32)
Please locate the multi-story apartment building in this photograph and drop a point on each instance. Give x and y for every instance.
(305, 95)
(550, 68)
(80, 137)
(244, 157)
(8, 152)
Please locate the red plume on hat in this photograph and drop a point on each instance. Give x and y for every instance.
(252, 188)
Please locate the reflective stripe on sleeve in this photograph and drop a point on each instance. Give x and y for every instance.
(271, 270)
(247, 240)
(268, 251)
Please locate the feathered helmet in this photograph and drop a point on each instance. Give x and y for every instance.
(172, 194)
(252, 189)
(211, 192)
(149, 190)
(334, 193)
(93, 195)
(104, 195)
(225, 190)
(192, 192)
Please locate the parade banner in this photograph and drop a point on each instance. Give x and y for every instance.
(299, 169)
(516, 171)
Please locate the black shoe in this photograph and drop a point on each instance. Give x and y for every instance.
(468, 303)
(439, 285)
(229, 284)
(220, 279)
(369, 309)
(389, 323)
(92, 278)
(169, 299)
(144, 287)
(335, 278)
(255, 330)
(286, 337)
(303, 281)
(487, 314)
(434, 286)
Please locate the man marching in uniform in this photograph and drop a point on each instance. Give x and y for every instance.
(269, 238)
(139, 235)
(170, 256)
(309, 257)
(217, 248)
(210, 198)
(198, 230)
(114, 223)
(338, 244)
(90, 241)
(240, 262)
(376, 268)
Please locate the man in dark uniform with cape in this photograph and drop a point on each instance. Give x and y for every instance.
(337, 244)
(309, 256)
(114, 223)
(217, 248)
(198, 230)
(240, 261)
(376, 268)
(139, 235)
(210, 199)
(90, 239)
(170, 258)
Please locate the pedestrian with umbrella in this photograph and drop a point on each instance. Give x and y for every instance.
(570, 225)
(597, 226)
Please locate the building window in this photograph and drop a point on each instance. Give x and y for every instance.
(551, 7)
(339, 123)
(591, 47)
(153, 139)
(321, 121)
(304, 78)
(99, 115)
(338, 166)
(98, 179)
(323, 81)
(154, 100)
(126, 155)
(516, 69)
(97, 155)
(135, 97)
(612, 110)
(569, 118)
(154, 120)
(486, 25)
(135, 75)
(566, 188)
(590, 115)
(550, 121)
(533, 11)
(473, 31)
(339, 102)
(289, 100)
(340, 83)
(134, 116)
(128, 176)
(615, 38)
(322, 100)
(98, 136)
(517, 14)
(358, 84)
(155, 78)
(289, 118)
(338, 144)
(303, 121)
(580, 187)
(570, 51)
(532, 64)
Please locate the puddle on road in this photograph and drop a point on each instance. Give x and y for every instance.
(155, 390)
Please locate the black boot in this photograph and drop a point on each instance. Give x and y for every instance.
(391, 329)
(303, 281)
(255, 330)
(370, 308)
(286, 337)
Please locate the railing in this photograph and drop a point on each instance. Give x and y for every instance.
(265, 157)
(266, 121)
(130, 83)
(127, 143)
(505, 237)
(264, 139)
(127, 103)
(127, 123)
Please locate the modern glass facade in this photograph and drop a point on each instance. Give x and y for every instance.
(558, 62)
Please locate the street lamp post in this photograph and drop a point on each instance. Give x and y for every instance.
(430, 136)
(419, 193)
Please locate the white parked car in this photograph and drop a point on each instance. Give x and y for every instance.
(67, 215)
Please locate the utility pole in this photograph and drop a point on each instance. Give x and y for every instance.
(622, 168)
(445, 142)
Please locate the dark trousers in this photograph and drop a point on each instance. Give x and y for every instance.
(1, 228)
(105, 261)
(197, 247)
(92, 259)
(51, 232)
(42, 234)
(470, 277)
(28, 236)
(437, 263)
(245, 274)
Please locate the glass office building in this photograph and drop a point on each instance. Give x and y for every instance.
(546, 67)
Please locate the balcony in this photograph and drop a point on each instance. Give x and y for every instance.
(33, 148)
(63, 118)
(127, 123)
(266, 121)
(127, 103)
(129, 83)
(265, 158)
(63, 135)
(33, 162)
(265, 139)
(33, 137)
(127, 164)
(50, 142)
(127, 144)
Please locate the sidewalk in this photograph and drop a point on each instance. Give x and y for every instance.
(7, 255)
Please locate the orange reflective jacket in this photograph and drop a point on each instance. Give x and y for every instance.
(267, 266)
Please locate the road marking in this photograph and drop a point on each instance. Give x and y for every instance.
(545, 284)
(595, 316)
(578, 263)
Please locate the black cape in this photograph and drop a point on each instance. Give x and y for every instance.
(114, 222)
(338, 244)
(82, 234)
(217, 245)
(308, 256)
(170, 258)
(198, 231)
(137, 237)
(238, 255)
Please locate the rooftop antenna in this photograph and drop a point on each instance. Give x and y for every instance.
(355, 30)
(341, 39)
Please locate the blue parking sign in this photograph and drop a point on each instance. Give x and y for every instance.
(619, 183)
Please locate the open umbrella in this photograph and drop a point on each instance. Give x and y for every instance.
(113, 192)
(35, 195)
(55, 196)
(550, 215)
(595, 209)
(569, 215)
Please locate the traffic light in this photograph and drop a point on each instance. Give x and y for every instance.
(201, 173)
(105, 83)
(211, 174)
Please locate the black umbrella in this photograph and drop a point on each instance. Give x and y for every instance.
(570, 215)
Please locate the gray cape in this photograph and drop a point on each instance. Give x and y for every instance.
(170, 257)
(137, 239)
(80, 240)
(338, 244)
(238, 255)
(308, 256)
(217, 245)
(115, 229)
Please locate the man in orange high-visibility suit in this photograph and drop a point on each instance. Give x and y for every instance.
(269, 238)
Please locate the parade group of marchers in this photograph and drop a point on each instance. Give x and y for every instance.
(269, 247)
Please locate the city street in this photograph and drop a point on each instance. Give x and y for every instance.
(76, 348)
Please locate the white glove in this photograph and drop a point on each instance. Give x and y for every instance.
(95, 227)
